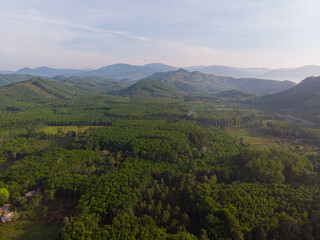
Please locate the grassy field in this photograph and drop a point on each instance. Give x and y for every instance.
(30, 225)
(259, 140)
(254, 137)
(35, 225)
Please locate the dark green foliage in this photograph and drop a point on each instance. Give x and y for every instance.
(274, 166)
(226, 208)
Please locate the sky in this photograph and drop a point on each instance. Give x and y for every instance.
(95, 33)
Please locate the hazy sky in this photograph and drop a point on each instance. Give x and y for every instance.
(95, 33)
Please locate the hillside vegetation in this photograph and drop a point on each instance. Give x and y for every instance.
(151, 88)
(200, 83)
(6, 79)
(303, 100)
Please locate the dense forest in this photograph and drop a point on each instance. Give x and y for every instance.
(101, 160)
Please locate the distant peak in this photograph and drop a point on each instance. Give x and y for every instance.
(182, 70)
(121, 64)
(24, 69)
(43, 68)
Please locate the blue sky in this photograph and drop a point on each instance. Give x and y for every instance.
(95, 33)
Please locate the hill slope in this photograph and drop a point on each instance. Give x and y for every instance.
(121, 71)
(160, 67)
(302, 100)
(151, 88)
(96, 84)
(6, 79)
(39, 88)
(259, 86)
(200, 83)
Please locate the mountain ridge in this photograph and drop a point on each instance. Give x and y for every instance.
(199, 83)
(135, 72)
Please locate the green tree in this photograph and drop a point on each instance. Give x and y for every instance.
(4, 196)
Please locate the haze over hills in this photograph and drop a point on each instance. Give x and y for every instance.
(200, 83)
(50, 72)
(121, 71)
(6, 79)
(229, 71)
(291, 74)
(6, 72)
(302, 100)
(134, 72)
(115, 71)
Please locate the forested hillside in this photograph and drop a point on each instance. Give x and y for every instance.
(200, 83)
(151, 88)
(6, 79)
(302, 100)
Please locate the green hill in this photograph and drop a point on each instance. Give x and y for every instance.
(192, 83)
(200, 83)
(121, 71)
(49, 72)
(303, 100)
(6, 79)
(39, 88)
(151, 88)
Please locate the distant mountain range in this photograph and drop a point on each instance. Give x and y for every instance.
(116, 71)
(291, 74)
(133, 73)
(50, 72)
(229, 71)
